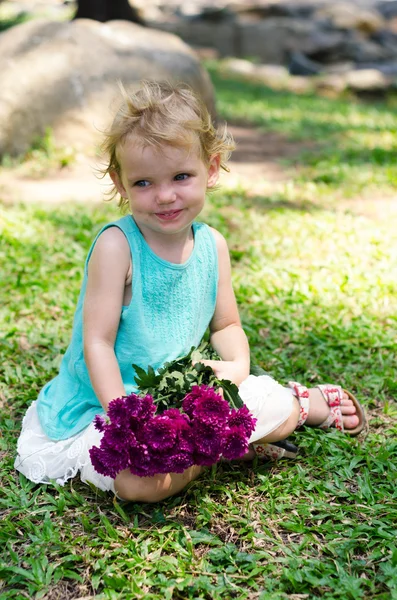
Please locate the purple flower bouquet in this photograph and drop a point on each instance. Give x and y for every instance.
(199, 433)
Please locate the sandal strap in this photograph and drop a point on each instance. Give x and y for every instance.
(333, 397)
(275, 451)
(268, 451)
(302, 394)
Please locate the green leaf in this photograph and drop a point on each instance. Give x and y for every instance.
(196, 355)
(145, 379)
(205, 537)
(175, 377)
(19, 571)
(230, 393)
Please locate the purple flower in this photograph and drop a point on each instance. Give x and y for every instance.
(158, 462)
(207, 440)
(173, 413)
(173, 460)
(141, 463)
(242, 418)
(148, 408)
(108, 461)
(133, 404)
(99, 422)
(160, 433)
(211, 409)
(235, 443)
(149, 444)
(189, 400)
(206, 460)
(185, 441)
(117, 411)
(116, 459)
(119, 438)
(179, 462)
(135, 425)
(176, 415)
(140, 408)
(97, 459)
(180, 420)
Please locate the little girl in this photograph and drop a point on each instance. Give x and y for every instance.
(154, 281)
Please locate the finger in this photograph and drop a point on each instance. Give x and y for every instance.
(208, 363)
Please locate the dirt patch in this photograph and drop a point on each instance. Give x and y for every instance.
(258, 149)
(78, 182)
(257, 162)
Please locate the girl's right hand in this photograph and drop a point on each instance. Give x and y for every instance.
(231, 370)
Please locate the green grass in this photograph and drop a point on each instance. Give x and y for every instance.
(42, 158)
(316, 283)
(8, 21)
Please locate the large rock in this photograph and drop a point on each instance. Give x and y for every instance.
(204, 33)
(272, 40)
(325, 32)
(63, 76)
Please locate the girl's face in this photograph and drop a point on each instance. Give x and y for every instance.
(165, 187)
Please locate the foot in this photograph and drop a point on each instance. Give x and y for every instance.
(319, 410)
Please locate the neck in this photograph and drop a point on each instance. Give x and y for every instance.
(175, 248)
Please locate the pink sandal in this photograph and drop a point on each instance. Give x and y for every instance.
(333, 397)
(332, 394)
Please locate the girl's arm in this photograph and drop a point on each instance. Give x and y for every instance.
(227, 335)
(107, 272)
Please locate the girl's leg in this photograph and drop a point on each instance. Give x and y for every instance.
(318, 412)
(153, 489)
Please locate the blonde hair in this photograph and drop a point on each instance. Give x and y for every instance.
(159, 114)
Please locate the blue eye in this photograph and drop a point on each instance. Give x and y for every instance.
(142, 183)
(181, 177)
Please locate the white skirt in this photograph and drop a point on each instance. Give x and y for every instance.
(43, 460)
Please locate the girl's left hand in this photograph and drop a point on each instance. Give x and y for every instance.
(228, 369)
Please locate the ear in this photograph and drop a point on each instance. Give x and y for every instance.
(118, 183)
(213, 170)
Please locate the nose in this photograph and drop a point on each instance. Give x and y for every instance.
(165, 194)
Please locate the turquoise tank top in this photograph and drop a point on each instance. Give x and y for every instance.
(170, 310)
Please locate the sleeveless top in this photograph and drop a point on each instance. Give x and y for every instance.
(170, 310)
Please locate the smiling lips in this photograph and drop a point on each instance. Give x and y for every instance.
(169, 215)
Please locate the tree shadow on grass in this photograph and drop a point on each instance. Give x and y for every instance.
(346, 143)
(262, 203)
(297, 115)
(267, 204)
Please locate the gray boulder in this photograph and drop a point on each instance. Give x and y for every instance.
(272, 40)
(63, 76)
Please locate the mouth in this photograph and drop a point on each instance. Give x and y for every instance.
(168, 215)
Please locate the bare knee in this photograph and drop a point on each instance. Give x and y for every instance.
(153, 489)
(140, 489)
(286, 428)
